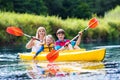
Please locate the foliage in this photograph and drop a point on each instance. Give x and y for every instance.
(24, 6)
(62, 8)
(107, 30)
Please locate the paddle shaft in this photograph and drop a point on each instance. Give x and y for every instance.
(29, 36)
(41, 48)
(65, 45)
(75, 37)
(84, 30)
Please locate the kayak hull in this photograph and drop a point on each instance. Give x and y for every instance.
(74, 55)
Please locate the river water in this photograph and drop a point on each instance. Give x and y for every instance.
(11, 68)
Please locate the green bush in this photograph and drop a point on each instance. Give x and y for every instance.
(107, 30)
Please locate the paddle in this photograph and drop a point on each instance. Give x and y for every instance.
(18, 32)
(55, 53)
(39, 51)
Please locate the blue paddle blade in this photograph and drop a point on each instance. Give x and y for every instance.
(40, 50)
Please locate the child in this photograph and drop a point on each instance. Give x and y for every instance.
(61, 41)
(49, 43)
(65, 42)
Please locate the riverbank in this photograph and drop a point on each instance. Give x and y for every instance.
(107, 30)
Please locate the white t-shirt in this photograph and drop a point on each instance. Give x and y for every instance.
(36, 46)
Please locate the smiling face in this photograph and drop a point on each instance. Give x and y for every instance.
(41, 32)
(61, 36)
(49, 39)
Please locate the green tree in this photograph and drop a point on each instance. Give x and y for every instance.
(99, 7)
(68, 8)
(24, 6)
(30, 6)
(55, 7)
(62, 8)
(6, 5)
(82, 10)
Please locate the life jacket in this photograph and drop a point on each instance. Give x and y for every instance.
(48, 48)
(61, 43)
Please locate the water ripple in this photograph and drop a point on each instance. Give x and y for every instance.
(108, 47)
(12, 69)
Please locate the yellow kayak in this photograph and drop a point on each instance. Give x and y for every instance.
(69, 55)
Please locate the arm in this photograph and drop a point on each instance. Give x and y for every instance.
(30, 44)
(79, 39)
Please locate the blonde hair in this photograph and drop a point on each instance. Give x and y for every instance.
(40, 28)
(50, 36)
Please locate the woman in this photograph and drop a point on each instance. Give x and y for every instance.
(36, 44)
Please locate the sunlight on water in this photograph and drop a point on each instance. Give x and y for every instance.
(108, 47)
(67, 70)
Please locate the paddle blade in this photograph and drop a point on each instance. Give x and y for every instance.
(93, 23)
(52, 55)
(53, 68)
(14, 31)
(39, 51)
